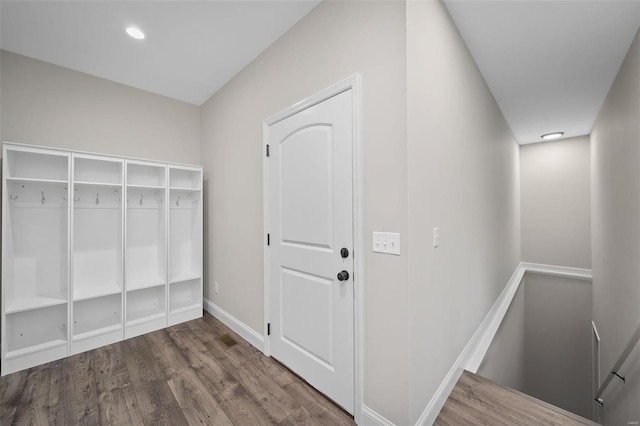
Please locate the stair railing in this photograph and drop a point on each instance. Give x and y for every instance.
(615, 371)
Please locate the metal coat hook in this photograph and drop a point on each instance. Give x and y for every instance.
(141, 195)
(43, 200)
(12, 197)
(117, 198)
(76, 199)
(178, 201)
(97, 198)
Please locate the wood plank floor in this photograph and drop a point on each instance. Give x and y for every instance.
(479, 401)
(182, 375)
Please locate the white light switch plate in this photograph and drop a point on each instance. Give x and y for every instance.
(386, 242)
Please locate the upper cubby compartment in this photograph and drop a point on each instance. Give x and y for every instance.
(27, 163)
(184, 177)
(97, 170)
(147, 175)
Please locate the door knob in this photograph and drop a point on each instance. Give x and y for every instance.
(343, 275)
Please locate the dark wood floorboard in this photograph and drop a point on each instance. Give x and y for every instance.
(476, 400)
(181, 375)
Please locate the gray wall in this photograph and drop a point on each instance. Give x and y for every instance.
(463, 177)
(615, 202)
(558, 341)
(44, 104)
(556, 230)
(556, 202)
(543, 345)
(504, 362)
(333, 41)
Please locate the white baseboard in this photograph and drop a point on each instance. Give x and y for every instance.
(472, 355)
(243, 330)
(371, 418)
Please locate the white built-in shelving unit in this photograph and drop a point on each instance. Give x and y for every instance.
(95, 249)
(185, 242)
(146, 248)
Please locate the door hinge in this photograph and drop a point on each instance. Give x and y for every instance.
(268, 239)
(268, 329)
(267, 150)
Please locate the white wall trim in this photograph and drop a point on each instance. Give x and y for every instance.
(558, 271)
(474, 352)
(243, 330)
(371, 418)
(595, 330)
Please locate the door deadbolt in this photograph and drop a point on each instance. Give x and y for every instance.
(343, 275)
(344, 252)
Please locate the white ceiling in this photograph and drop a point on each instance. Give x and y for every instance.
(192, 48)
(549, 64)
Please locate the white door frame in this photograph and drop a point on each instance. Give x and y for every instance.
(350, 83)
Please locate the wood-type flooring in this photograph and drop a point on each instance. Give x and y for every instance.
(476, 400)
(181, 375)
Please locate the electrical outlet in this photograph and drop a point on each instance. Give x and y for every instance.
(215, 286)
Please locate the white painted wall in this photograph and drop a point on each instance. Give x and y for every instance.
(558, 341)
(504, 361)
(615, 202)
(44, 104)
(556, 230)
(556, 202)
(335, 40)
(463, 177)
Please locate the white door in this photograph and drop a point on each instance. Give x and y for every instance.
(310, 222)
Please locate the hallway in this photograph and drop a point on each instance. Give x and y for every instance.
(182, 375)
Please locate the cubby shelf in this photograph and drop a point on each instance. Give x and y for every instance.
(35, 302)
(185, 308)
(188, 276)
(146, 187)
(148, 316)
(184, 189)
(97, 184)
(141, 285)
(36, 348)
(97, 332)
(84, 293)
(35, 180)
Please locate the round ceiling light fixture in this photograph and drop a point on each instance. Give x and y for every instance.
(553, 135)
(135, 33)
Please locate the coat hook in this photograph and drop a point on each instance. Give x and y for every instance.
(178, 201)
(42, 200)
(97, 198)
(141, 195)
(158, 198)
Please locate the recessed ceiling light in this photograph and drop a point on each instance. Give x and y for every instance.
(554, 135)
(135, 33)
